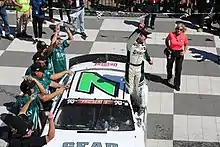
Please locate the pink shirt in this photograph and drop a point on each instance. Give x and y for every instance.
(177, 42)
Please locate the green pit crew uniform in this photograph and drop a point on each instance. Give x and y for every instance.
(33, 110)
(59, 57)
(45, 81)
(50, 67)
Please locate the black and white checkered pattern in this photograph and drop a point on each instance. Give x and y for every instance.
(190, 117)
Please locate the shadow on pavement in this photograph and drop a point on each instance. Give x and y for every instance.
(193, 23)
(130, 22)
(157, 79)
(204, 55)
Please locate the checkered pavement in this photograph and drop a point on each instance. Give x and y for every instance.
(188, 118)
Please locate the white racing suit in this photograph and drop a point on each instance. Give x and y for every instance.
(134, 72)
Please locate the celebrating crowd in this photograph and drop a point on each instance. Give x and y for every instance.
(39, 87)
(40, 83)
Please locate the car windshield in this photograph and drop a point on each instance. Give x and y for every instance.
(94, 115)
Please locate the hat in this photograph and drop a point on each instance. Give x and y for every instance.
(20, 123)
(26, 86)
(41, 45)
(36, 67)
(38, 56)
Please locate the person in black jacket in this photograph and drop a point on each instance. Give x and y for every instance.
(22, 133)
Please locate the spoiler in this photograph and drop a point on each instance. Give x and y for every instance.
(97, 58)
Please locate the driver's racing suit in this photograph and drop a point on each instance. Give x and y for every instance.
(136, 53)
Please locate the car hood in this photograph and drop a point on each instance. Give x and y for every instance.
(110, 139)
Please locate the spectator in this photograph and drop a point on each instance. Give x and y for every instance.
(77, 15)
(4, 17)
(217, 12)
(38, 15)
(153, 7)
(58, 55)
(22, 15)
(177, 45)
(176, 6)
(201, 5)
(64, 4)
(50, 3)
(26, 138)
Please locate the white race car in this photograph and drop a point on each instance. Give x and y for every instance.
(97, 110)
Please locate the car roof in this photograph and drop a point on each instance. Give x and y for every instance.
(98, 84)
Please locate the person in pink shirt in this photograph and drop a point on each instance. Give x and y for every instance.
(177, 45)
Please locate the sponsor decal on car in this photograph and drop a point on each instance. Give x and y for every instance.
(87, 144)
(106, 64)
(88, 81)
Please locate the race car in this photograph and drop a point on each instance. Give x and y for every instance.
(97, 111)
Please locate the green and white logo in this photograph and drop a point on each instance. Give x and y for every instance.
(90, 80)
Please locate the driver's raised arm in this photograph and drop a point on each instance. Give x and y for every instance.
(133, 37)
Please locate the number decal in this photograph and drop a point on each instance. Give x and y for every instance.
(118, 102)
(90, 80)
(70, 101)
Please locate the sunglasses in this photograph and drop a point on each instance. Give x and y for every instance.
(179, 29)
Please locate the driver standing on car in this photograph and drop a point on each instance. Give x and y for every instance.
(136, 54)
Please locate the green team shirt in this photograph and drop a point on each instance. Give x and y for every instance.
(33, 110)
(45, 81)
(59, 57)
(50, 66)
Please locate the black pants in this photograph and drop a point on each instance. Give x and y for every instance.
(201, 9)
(176, 6)
(64, 4)
(50, 4)
(152, 8)
(38, 26)
(175, 56)
(166, 6)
